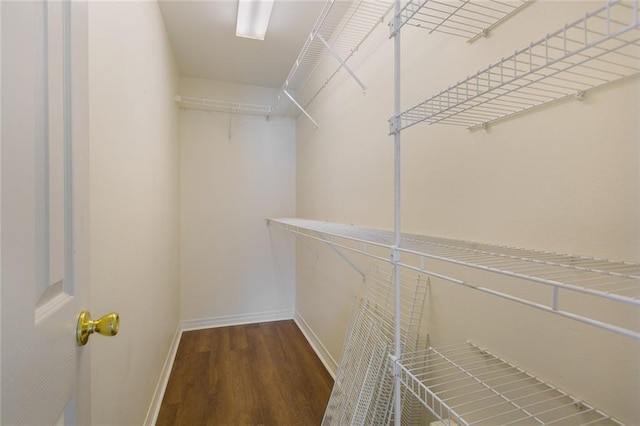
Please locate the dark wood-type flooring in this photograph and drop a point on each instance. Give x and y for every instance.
(256, 374)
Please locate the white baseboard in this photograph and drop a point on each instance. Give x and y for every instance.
(161, 386)
(226, 321)
(325, 357)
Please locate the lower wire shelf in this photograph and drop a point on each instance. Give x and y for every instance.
(464, 384)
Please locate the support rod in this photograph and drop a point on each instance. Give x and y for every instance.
(301, 109)
(342, 63)
(304, 243)
(342, 256)
(396, 209)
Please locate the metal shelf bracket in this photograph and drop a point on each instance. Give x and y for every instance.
(394, 125)
(301, 109)
(341, 62)
(342, 256)
(304, 243)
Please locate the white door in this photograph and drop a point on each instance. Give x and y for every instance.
(44, 181)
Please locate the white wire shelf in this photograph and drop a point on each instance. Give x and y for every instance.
(201, 104)
(344, 26)
(362, 363)
(363, 390)
(466, 385)
(461, 18)
(600, 48)
(559, 277)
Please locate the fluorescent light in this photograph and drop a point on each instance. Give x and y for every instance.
(253, 18)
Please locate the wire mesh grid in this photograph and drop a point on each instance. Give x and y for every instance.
(598, 277)
(363, 361)
(380, 296)
(380, 293)
(600, 48)
(563, 275)
(363, 389)
(344, 26)
(467, 385)
(359, 22)
(201, 104)
(462, 18)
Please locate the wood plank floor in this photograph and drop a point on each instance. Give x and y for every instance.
(257, 374)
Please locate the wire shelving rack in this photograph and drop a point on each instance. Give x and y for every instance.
(202, 104)
(362, 365)
(339, 32)
(542, 280)
(461, 18)
(363, 390)
(600, 48)
(465, 384)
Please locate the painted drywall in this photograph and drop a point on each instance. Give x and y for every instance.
(0, 209)
(134, 204)
(231, 264)
(564, 178)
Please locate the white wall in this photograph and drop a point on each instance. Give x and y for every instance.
(231, 265)
(134, 204)
(564, 178)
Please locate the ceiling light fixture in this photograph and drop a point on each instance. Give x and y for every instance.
(253, 18)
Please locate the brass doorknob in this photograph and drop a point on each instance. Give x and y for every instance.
(107, 325)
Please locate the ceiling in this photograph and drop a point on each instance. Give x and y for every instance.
(202, 36)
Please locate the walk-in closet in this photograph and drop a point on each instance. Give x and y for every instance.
(435, 201)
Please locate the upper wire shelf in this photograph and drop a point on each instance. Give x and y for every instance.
(600, 48)
(465, 384)
(343, 26)
(462, 18)
(562, 275)
(201, 104)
